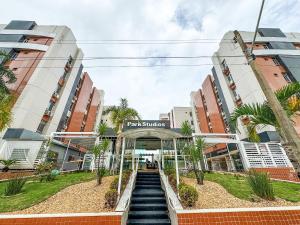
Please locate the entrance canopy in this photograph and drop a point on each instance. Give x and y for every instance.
(151, 132)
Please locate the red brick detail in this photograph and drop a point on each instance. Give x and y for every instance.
(284, 173)
(67, 220)
(286, 217)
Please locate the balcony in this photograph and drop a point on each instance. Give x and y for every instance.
(67, 67)
(232, 85)
(55, 95)
(226, 71)
(61, 81)
(238, 100)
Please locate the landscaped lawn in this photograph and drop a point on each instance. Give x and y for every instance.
(34, 191)
(239, 187)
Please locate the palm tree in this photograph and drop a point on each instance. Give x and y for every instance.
(6, 104)
(118, 115)
(6, 75)
(99, 150)
(259, 115)
(7, 164)
(194, 151)
(6, 99)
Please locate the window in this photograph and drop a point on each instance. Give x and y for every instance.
(275, 74)
(276, 61)
(19, 154)
(287, 78)
(41, 126)
(15, 69)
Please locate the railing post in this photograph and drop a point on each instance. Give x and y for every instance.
(121, 168)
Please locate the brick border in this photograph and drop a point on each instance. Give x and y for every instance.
(240, 216)
(111, 218)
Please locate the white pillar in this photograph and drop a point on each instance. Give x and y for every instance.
(65, 156)
(162, 154)
(121, 168)
(133, 154)
(176, 162)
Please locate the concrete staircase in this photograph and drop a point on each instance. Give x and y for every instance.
(148, 203)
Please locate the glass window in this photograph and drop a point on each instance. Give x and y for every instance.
(287, 78)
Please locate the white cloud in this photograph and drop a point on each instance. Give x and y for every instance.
(152, 90)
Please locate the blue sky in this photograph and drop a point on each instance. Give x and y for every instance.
(152, 90)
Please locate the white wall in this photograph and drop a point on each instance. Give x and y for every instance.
(180, 114)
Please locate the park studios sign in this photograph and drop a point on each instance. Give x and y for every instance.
(134, 124)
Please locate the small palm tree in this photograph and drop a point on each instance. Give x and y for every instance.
(6, 99)
(6, 104)
(6, 75)
(194, 151)
(99, 151)
(260, 115)
(7, 163)
(118, 115)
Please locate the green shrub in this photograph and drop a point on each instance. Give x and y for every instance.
(114, 184)
(44, 167)
(47, 177)
(261, 185)
(125, 178)
(188, 195)
(14, 187)
(111, 198)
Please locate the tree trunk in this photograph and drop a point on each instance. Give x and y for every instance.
(118, 148)
(199, 177)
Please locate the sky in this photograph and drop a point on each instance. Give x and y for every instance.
(152, 90)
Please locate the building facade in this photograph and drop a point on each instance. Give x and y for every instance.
(276, 54)
(233, 84)
(178, 115)
(52, 91)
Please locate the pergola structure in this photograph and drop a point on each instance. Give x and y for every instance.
(167, 134)
(252, 154)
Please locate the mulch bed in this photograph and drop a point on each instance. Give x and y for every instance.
(14, 174)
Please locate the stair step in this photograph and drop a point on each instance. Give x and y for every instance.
(145, 200)
(148, 207)
(149, 222)
(148, 215)
(147, 186)
(148, 193)
(144, 182)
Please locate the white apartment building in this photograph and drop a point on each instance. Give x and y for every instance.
(276, 53)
